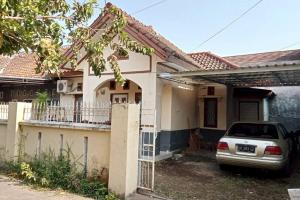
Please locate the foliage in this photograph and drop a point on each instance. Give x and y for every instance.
(42, 27)
(42, 97)
(27, 172)
(49, 170)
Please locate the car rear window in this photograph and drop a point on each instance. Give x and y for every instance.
(248, 130)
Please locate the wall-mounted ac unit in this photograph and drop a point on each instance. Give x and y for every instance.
(62, 86)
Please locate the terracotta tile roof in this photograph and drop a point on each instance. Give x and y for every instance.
(210, 61)
(20, 65)
(279, 57)
(4, 60)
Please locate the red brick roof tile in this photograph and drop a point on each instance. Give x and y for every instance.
(20, 65)
(210, 61)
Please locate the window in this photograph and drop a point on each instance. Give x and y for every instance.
(211, 91)
(79, 87)
(283, 131)
(1, 94)
(138, 97)
(248, 130)
(211, 112)
(126, 85)
(112, 85)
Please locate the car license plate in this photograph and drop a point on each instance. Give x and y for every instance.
(246, 148)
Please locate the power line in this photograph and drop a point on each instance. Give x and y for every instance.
(150, 6)
(228, 25)
(291, 45)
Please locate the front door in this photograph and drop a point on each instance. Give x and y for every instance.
(77, 108)
(119, 98)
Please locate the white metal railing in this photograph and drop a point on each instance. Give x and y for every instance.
(3, 111)
(79, 113)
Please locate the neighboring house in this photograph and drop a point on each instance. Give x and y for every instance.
(284, 107)
(19, 82)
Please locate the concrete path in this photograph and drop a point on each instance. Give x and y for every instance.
(14, 190)
(141, 197)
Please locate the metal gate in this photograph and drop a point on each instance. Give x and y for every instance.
(146, 160)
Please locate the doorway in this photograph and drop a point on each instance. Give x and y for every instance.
(77, 117)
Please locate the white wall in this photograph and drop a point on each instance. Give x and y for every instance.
(178, 105)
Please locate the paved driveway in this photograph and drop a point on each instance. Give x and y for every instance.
(198, 177)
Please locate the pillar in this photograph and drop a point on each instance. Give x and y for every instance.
(123, 164)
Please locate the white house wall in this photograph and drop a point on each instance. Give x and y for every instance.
(184, 112)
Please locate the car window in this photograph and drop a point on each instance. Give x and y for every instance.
(283, 130)
(248, 130)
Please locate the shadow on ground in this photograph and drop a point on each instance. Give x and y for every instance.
(198, 176)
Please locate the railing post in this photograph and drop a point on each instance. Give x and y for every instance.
(123, 164)
(15, 115)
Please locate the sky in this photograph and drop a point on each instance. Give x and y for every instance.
(273, 25)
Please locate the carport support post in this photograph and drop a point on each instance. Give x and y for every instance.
(124, 142)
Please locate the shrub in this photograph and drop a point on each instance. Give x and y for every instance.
(52, 171)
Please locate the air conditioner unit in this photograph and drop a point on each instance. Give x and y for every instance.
(62, 86)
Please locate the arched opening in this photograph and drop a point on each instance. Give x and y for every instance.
(113, 92)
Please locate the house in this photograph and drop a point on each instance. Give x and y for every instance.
(19, 82)
(181, 105)
(179, 93)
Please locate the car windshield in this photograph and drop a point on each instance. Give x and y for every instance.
(248, 130)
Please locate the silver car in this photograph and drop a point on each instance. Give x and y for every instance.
(264, 145)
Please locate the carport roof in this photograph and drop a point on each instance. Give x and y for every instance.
(272, 74)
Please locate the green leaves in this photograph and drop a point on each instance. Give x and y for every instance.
(42, 26)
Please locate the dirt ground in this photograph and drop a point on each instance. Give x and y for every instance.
(198, 176)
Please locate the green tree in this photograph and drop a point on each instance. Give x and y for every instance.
(42, 27)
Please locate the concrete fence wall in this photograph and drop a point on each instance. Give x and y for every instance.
(110, 151)
(91, 148)
(3, 127)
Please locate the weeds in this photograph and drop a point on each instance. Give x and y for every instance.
(48, 170)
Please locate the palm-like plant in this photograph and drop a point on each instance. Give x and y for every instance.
(42, 97)
(41, 104)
